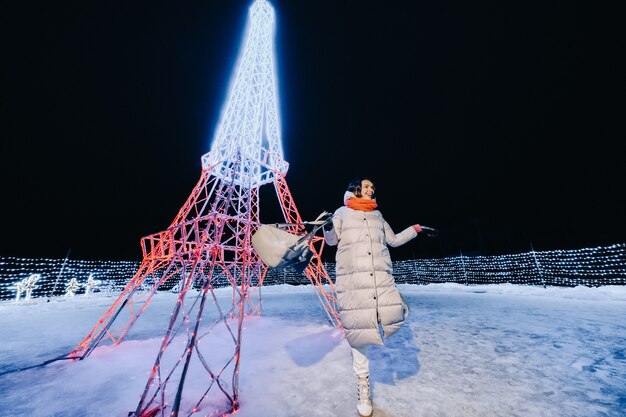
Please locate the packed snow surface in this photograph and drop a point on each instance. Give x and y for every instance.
(500, 350)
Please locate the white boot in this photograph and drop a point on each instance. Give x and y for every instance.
(364, 405)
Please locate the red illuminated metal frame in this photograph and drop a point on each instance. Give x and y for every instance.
(315, 271)
(206, 246)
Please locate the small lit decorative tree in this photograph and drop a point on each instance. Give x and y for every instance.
(27, 285)
(91, 284)
(71, 287)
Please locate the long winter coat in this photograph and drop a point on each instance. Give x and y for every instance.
(366, 290)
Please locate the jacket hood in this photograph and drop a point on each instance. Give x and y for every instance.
(348, 195)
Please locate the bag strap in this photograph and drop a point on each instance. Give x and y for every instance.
(317, 223)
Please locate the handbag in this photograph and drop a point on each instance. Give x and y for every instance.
(279, 248)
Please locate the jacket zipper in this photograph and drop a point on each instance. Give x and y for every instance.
(373, 273)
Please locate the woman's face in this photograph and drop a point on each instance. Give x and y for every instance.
(367, 189)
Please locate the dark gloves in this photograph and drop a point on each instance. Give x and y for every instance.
(327, 217)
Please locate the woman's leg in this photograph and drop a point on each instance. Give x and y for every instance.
(362, 369)
(360, 362)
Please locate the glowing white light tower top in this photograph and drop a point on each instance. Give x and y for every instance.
(250, 123)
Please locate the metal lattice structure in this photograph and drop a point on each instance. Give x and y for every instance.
(208, 244)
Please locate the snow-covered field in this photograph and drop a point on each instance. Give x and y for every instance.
(467, 351)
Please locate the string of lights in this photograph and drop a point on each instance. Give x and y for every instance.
(22, 279)
(597, 266)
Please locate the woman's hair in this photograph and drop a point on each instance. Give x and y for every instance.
(354, 186)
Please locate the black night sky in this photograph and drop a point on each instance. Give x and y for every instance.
(500, 123)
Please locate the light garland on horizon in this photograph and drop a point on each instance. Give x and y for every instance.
(15, 270)
(605, 265)
(590, 266)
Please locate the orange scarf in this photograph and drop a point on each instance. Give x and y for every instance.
(361, 204)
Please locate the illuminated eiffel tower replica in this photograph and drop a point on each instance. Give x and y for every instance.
(208, 245)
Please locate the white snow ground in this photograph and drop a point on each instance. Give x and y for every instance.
(500, 350)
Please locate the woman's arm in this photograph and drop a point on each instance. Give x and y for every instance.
(333, 235)
(399, 239)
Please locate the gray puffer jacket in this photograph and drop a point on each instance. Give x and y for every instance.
(366, 290)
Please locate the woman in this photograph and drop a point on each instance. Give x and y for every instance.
(366, 292)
